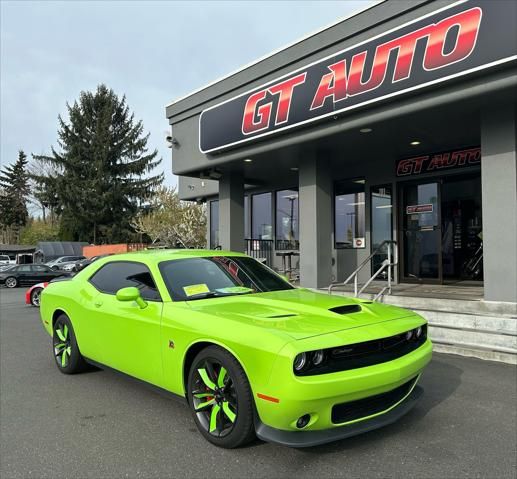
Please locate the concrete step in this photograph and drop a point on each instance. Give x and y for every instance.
(475, 352)
(486, 330)
(480, 307)
(495, 341)
(476, 322)
(426, 301)
(465, 330)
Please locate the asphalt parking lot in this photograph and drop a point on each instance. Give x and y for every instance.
(100, 424)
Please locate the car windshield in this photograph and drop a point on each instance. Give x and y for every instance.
(199, 278)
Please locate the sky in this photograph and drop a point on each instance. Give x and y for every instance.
(151, 51)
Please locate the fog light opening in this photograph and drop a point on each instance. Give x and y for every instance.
(303, 421)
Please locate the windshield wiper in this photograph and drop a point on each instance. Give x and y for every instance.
(220, 293)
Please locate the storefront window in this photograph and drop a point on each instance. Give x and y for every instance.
(262, 227)
(349, 214)
(381, 201)
(214, 224)
(246, 217)
(287, 220)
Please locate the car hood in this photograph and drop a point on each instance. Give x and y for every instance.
(300, 313)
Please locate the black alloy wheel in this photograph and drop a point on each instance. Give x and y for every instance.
(220, 398)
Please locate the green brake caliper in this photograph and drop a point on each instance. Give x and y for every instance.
(216, 407)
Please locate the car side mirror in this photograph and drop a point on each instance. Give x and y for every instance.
(131, 294)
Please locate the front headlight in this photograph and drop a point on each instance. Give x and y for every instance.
(318, 357)
(300, 362)
(303, 361)
(357, 355)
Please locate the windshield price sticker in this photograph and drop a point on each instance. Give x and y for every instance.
(194, 289)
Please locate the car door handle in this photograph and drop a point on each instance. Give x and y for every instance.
(97, 304)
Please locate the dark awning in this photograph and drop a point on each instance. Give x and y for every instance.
(50, 250)
(16, 248)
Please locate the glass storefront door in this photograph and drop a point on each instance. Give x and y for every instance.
(462, 246)
(442, 230)
(421, 242)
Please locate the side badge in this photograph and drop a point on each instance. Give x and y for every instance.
(171, 344)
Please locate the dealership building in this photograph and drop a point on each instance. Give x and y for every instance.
(387, 137)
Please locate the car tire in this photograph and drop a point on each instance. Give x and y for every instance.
(64, 343)
(11, 282)
(226, 417)
(54, 268)
(35, 297)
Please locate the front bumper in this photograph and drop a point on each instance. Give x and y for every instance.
(317, 437)
(317, 395)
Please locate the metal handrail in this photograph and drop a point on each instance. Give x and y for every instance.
(387, 263)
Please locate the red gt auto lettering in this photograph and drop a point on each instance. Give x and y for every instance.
(249, 125)
(411, 166)
(263, 112)
(468, 25)
(332, 84)
(439, 161)
(338, 86)
(457, 39)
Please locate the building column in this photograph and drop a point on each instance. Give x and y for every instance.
(231, 211)
(315, 203)
(499, 199)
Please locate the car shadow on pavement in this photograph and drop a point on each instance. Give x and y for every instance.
(440, 380)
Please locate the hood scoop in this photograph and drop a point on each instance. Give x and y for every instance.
(346, 309)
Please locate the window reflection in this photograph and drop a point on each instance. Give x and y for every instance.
(349, 214)
(287, 226)
(262, 227)
(381, 200)
(246, 217)
(214, 224)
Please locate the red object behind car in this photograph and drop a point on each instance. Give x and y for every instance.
(32, 295)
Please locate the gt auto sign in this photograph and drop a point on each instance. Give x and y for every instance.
(459, 39)
(439, 161)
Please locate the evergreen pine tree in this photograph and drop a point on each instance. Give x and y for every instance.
(104, 169)
(14, 191)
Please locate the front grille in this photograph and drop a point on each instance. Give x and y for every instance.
(349, 411)
(367, 353)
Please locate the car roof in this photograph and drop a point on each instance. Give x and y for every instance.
(159, 255)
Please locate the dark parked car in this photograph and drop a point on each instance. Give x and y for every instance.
(28, 274)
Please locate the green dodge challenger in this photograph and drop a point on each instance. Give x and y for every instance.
(251, 354)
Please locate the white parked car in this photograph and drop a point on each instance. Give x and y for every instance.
(4, 259)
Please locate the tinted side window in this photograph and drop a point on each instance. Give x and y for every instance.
(40, 268)
(23, 269)
(121, 274)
